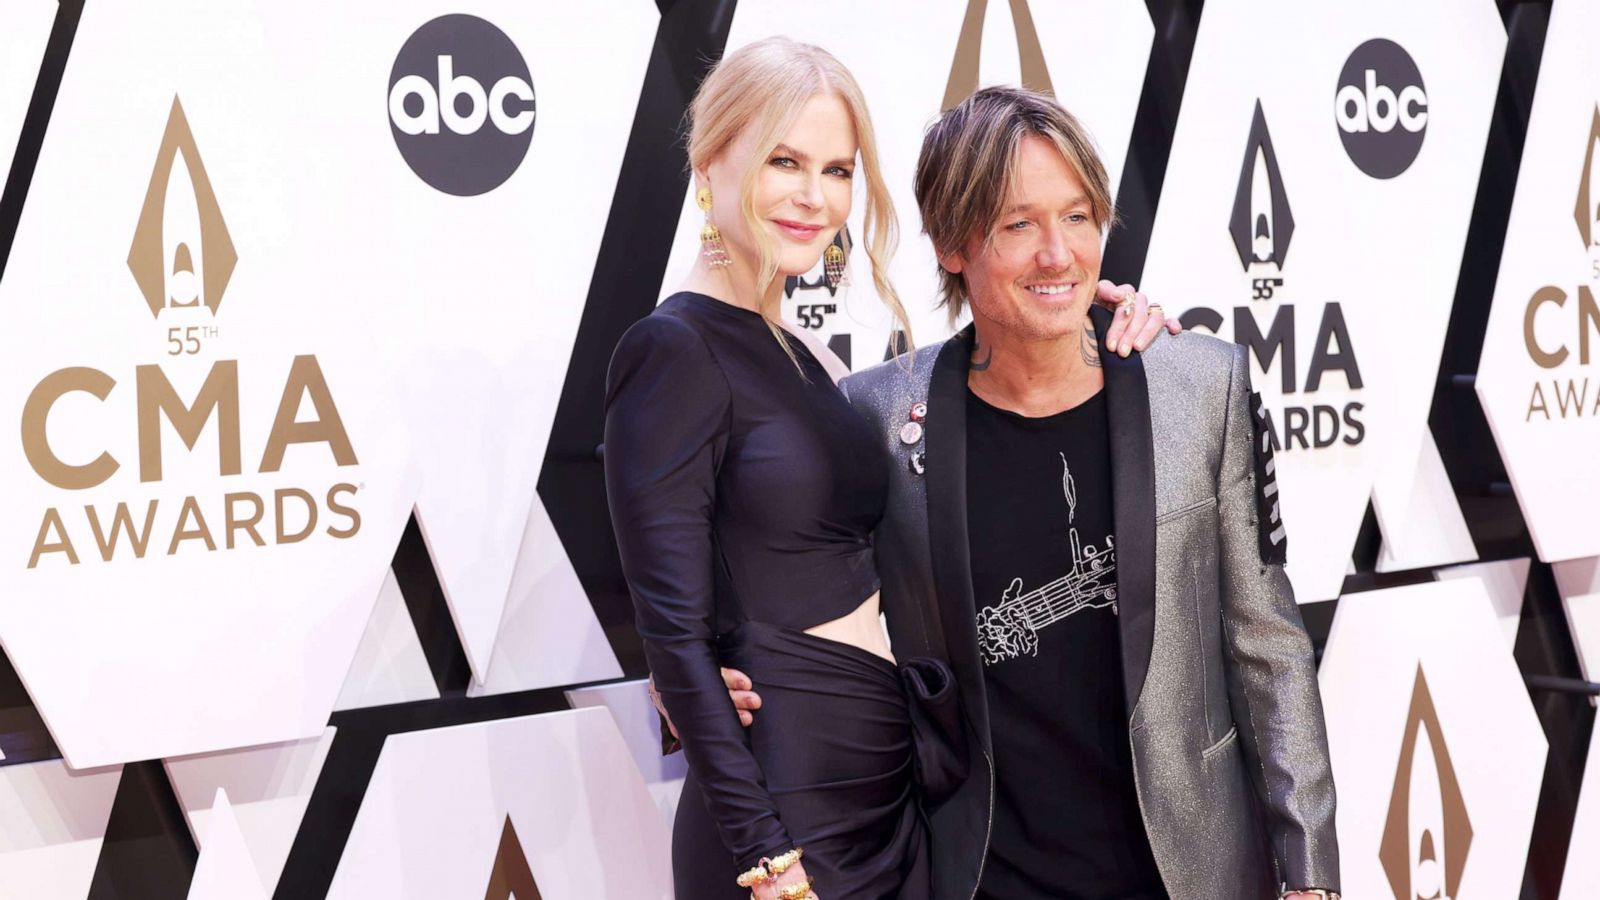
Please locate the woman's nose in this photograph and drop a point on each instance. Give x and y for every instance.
(810, 195)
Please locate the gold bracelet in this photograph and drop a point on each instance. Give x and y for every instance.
(781, 863)
(769, 868)
(797, 891)
(755, 876)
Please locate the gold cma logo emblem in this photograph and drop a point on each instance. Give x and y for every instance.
(1587, 210)
(969, 47)
(182, 255)
(1428, 833)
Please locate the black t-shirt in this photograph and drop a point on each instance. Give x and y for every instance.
(1066, 814)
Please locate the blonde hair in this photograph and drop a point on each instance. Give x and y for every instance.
(968, 161)
(763, 86)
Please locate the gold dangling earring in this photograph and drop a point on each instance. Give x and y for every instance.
(711, 246)
(833, 265)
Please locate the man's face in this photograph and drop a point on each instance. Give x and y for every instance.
(1037, 277)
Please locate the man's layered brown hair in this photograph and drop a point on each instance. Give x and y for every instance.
(968, 161)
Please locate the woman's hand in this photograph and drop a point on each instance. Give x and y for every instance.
(795, 874)
(1132, 327)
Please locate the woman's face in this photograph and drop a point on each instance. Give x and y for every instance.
(802, 194)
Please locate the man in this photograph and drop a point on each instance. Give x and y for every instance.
(1130, 656)
(1134, 671)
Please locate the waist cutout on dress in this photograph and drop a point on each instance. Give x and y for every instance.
(838, 716)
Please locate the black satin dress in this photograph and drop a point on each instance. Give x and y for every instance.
(743, 497)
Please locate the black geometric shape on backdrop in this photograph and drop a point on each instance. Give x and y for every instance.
(148, 851)
(1460, 429)
(23, 737)
(896, 345)
(840, 345)
(1545, 646)
(627, 279)
(1144, 171)
(31, 138)
(430, 612)
(358, 741)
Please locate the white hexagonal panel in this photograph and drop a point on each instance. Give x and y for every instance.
(1581, 879)
(389, 665)
(1437, 754)
(551, 803)
(502, 277)
(52, 825)
(1583, 620)
(1577, 576)
(1539, 375)
(225, 870)
(266, 788)
(547, 633)
(1435, 532)
(640, 726)
(904, 65)
(1582, 876)
(1315, 205)
(202, 376)
(1505, 581)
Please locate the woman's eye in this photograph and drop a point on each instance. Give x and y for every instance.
(839, 171)
(783, 162)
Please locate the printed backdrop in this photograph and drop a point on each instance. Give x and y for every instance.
(307, 586)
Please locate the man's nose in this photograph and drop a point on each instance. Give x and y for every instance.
(1054, 252)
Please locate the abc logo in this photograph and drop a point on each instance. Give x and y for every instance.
(1381, 108)
(461, 105)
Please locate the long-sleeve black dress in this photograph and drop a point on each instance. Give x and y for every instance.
(743, 497)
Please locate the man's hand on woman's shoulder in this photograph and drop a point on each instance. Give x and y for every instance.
(1136, 322)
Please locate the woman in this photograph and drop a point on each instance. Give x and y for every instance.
(744, 491)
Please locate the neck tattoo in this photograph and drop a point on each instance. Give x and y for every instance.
(987, 361)
(1088, 347)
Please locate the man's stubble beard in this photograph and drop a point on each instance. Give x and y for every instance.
(1023, 324)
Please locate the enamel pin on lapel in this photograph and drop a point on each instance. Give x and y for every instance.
(911, 434)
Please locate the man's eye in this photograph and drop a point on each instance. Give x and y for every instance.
(1017, 226)
(1078, 218)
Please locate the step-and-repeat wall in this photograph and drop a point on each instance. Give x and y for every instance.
(306, 581)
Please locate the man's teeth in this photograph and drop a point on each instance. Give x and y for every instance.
(1051, 289)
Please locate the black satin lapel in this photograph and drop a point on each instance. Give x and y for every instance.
(1133, 493)
(951, 554)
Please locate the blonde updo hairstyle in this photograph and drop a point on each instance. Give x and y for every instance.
(763, 86)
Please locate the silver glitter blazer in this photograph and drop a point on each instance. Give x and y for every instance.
(1230, 751)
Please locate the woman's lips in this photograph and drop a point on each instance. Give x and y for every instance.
(797, 230)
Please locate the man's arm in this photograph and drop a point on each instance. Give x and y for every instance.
(1272, 678)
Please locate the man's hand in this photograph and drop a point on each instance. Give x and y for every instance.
(740, 691)
(1136, 327)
